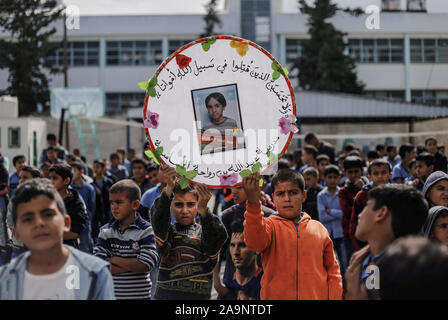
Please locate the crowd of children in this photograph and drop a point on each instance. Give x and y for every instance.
(314, 230)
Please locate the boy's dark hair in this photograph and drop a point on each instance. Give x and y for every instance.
(128, 187)
(353, 162)
(406, 204)
(286, 175)
(355, 153)
(420, 149)
(190, 189)
(406, 147)
(412, 163)
(51, 137)
(379, 163)
(379, 147)
(322, 157)
(282, 164)
(413, 268)
(311, 171)
(31, 189)
(310, 149)
(51, 148)
(139, 161)
(100, 162)
(237, 226)
(114, 155)
(288, 156)
(331, 169)
(78, 165)
(152, 166)
(17, 158)
(390, 148)
(35, 173)
(425, 157)
(71, 157)
(63, 170)
(349, 147)
(309, 137)
(429, 139)
(46, 164)
(217, 96)
(372, 154)
(440, 147)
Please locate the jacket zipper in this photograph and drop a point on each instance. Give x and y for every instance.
(297, 252)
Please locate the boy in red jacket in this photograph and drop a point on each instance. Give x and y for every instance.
(290, 241)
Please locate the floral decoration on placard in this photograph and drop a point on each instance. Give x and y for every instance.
(185, 176)
(149, 86)
(206, 44)
(228, 179)
(241, 46)
(278, 70)
(182, 61)
(288, 124)
(152, 120)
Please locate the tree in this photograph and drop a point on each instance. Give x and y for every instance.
(323, 64)
(211, 19)
(29, 23)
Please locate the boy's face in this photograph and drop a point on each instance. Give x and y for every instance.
(20, 164)
(24, 176)
(310, 181)
(239, 195)
(40, 225)
(392, 153)
(288, 198)
(332, 180)
(422, 171)
(410, 155)
(154, 177)
(242, 256)
(98, 169)
(440, 230)
(215, 110)
(138, 171)
(115, 162)
(438, 194)
(380, 175)
(184, 208)
(122, 208)
(58, 182)
(366, 221)
(77, 174)
(431, 146)
(306, 157)
(51, 155)
(321, 166)
(353, 174)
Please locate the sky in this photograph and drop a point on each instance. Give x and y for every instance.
(107, 7)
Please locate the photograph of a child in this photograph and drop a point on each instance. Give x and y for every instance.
(218, 118)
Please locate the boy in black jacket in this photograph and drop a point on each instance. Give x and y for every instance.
(188, 250)
(61, 176)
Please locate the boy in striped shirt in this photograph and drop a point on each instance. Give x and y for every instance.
(128, 243)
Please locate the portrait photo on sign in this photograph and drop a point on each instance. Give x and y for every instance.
(218, 118)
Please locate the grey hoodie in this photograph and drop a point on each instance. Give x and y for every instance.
(433, 214)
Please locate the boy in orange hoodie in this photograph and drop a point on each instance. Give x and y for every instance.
(297, 252)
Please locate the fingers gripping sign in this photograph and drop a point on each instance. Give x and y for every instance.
(251, 185)
(169, 178)
(204, 197)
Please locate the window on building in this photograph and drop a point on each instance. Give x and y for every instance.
(134, 53)
(377, 50)
(392, 95)
(118, 102)
(429, 50)
(14, 137)
(432, 97)
(293, 50)
(79, 54)
(173, 45)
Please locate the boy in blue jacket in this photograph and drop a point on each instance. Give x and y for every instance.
(49, 270)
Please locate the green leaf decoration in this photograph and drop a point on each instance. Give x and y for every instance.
(261, 182)
(278, 71)
(274, 66)
(275, 75)
(152, 92)
(181, 170)
(245, 173)
(257, 167)
(273, 157)
(205, 46)
(143, 85)
(212, 40)
(284, 71)
(183, 183)
(191, 174)
(149, 86)
(155, 155)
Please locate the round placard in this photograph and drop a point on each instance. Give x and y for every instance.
(218, 109)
